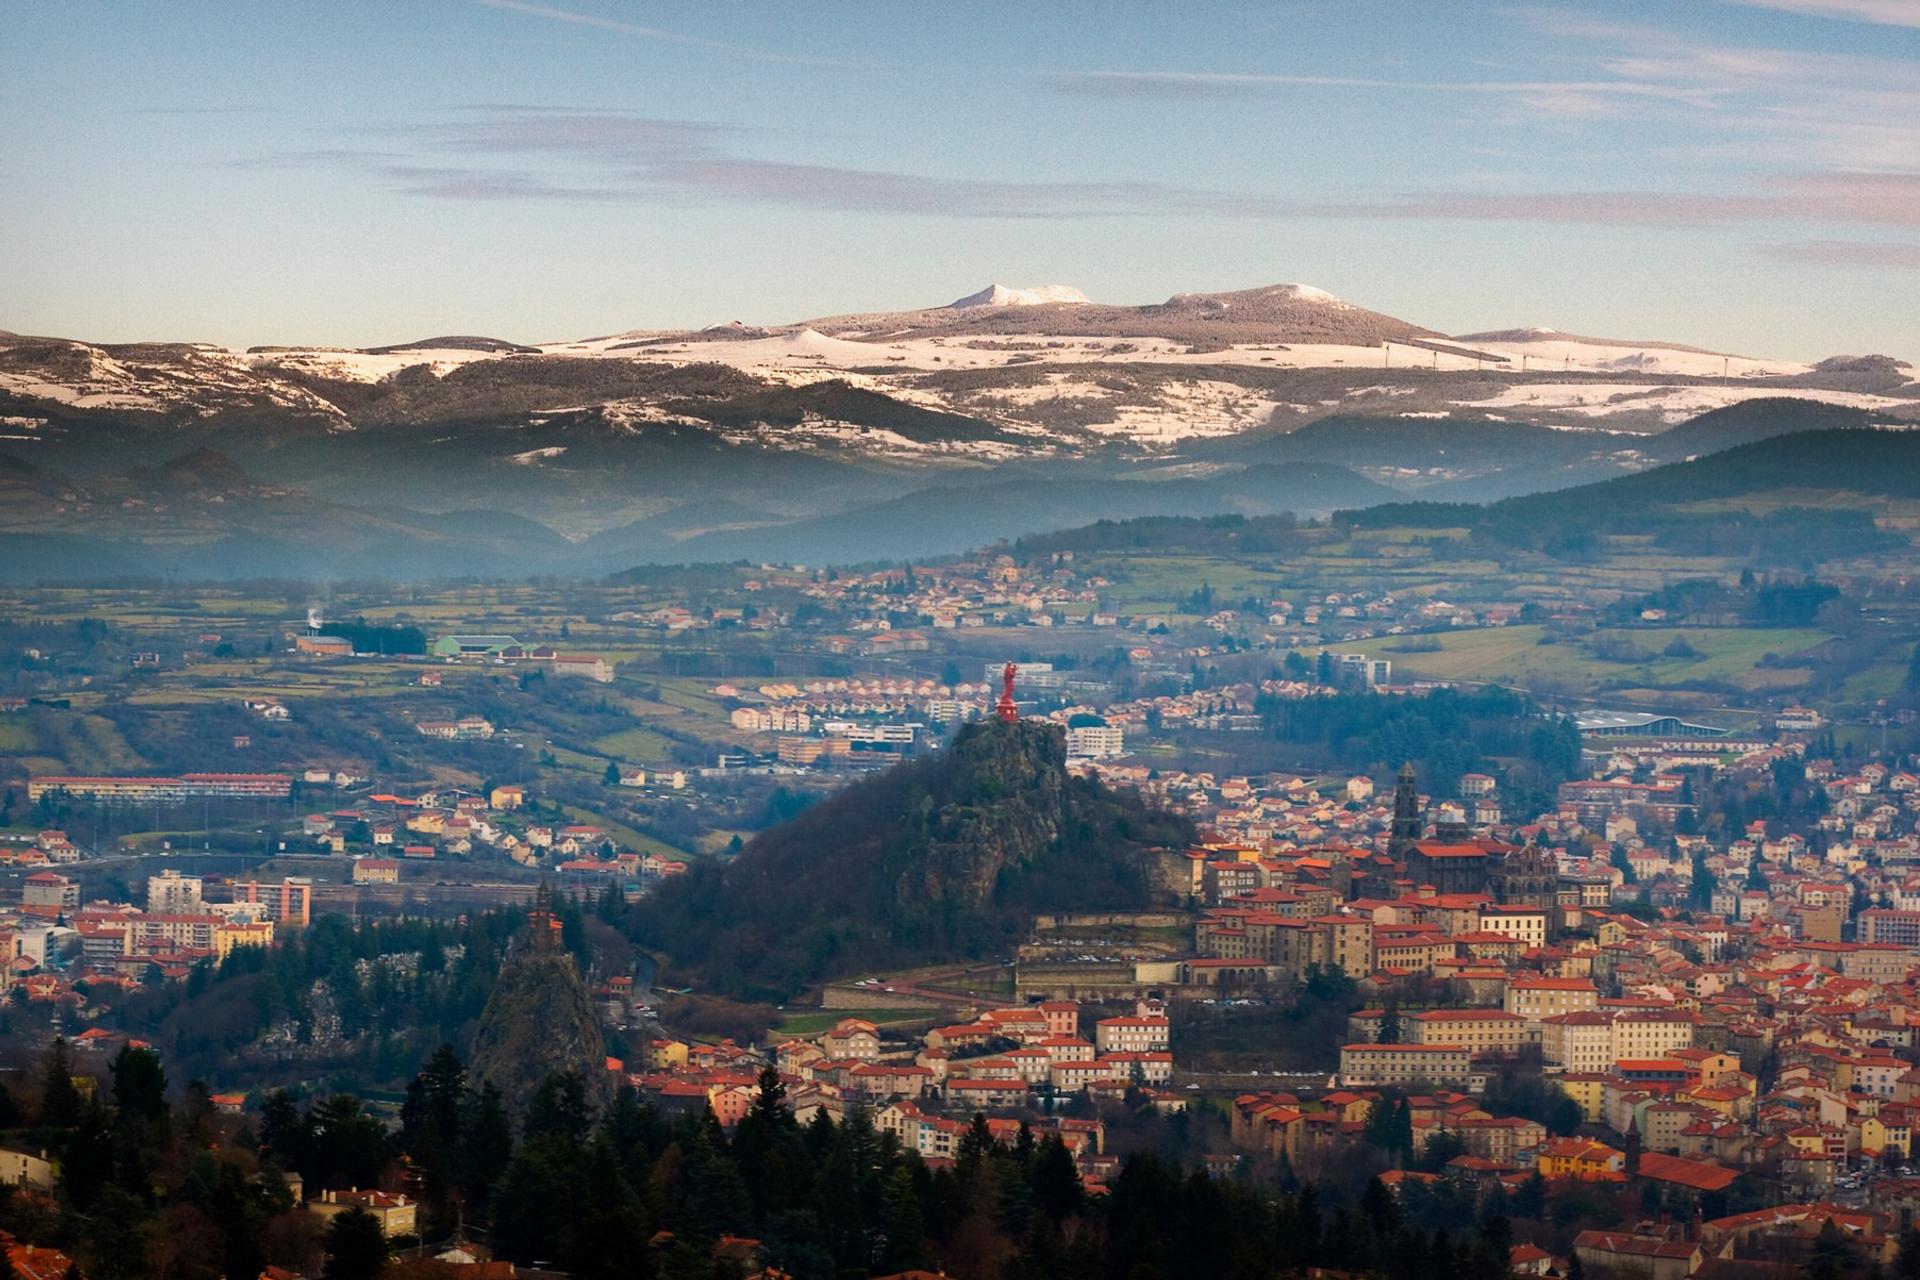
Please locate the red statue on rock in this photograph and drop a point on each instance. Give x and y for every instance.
(1005, 709)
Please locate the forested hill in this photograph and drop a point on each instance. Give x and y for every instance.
(1832, 464)
(1883, 463)
(941, 858)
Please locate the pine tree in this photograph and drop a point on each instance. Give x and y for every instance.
(59, 1100)
(1056, 1182)
(356, 1246)
(1381, 1210)
(973, 1148)
(1378, 1129)
(902, 1225)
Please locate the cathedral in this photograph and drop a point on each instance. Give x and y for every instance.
(1454, 862)
(1526, 877)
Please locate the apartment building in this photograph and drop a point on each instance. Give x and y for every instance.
(1381, 1064)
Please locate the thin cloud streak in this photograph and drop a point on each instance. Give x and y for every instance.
(1866, 199)
(1892, 13)
(575, 18)
(193, 111)
(603, 157)
(1205, 84)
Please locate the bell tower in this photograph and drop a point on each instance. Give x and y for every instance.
(1406, 812)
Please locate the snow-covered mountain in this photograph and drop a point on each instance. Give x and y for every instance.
(1038, 373)
(1010, 411)
(998, 295)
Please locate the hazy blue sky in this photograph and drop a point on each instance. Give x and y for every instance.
(1739, 174)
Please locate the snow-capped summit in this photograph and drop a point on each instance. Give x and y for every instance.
(1265, 295)
(1306, 293)
(998, 295)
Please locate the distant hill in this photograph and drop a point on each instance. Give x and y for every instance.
(1751, 420)
(942, 858)
(959, 517)
(460, 342)
(1210, 535)
(1869, 464)
(836, 400)
(1283, 313)
(200, 515)
(196, 471)
(1470, 458)
(1419, 442)
(1880, 463)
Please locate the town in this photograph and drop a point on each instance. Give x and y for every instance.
(1638, 973)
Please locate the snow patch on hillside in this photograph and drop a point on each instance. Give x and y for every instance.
(1546, 353)
(1673, 404)
(364, 366)
(999, 295)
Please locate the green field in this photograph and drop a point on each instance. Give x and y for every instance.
(85, 744)
(1162, 583)
(1881, 680)
(638, 744)
(1514, 655)
(624, 835)
(812, 1023)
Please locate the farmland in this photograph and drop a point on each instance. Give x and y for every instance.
(1532, 657)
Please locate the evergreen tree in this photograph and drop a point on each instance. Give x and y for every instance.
(559, 1109)
(1907, 1264)
(432, 1129)
(356, 1246)
(139, 1084)
(1530, 1200)
(282, 1130)
(87, 1166)
(902, 1226)
(59, 1100)
(606, 1235)
(971, 1152)
(1381, 1210)
(1056, 1182)
(1403, 1129)
(488, 1145)
(1378, 1128)
(115, 1248)
(1831, 1257)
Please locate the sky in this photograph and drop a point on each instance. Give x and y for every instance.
(1740, 174)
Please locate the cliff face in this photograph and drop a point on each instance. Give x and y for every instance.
(539, 1021)
(1002, 804)
(941, 858)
